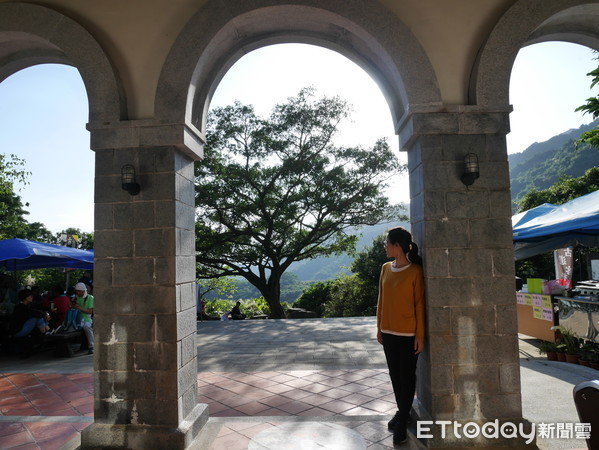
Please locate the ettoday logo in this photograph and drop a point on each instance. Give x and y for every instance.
(506, 430)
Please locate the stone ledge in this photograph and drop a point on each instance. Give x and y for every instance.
(147, 133)
(102, 436)
(452, 120)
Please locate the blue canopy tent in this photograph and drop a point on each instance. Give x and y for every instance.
(20, 254)
(548, 227)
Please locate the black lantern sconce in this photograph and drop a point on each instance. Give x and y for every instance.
(128, 182)
(471, 169)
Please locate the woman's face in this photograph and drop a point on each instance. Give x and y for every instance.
(391, 249)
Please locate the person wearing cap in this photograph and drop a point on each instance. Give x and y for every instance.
(85, 303)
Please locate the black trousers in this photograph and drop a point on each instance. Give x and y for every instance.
(401, 360)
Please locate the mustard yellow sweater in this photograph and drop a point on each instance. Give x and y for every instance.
(400, 309)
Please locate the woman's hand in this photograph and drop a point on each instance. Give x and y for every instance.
(418, 345)
(379, 337)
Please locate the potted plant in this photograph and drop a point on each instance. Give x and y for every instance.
(585, 354)
(572, 346)
(568, 343)
(560, 350)
(549, 349)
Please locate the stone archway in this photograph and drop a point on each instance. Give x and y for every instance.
(527, 23)
(218, 35)
(32, 34)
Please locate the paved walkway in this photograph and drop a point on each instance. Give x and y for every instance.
(318, 383)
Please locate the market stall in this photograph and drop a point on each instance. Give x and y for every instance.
(21, 254)
(551, 227)
(536, 315)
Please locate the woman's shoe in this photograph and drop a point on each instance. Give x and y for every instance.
(400, 433)
(393, 422)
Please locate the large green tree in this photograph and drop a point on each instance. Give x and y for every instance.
(13, 223)
(592, 107)
(277, 190)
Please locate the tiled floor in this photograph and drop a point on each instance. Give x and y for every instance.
(297, 393)
(270, 385)
(44, 410)
(65, 403)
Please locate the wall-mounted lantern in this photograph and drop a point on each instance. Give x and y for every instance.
(128, 181)
(471, 169)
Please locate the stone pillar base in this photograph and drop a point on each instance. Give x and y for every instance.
(101, 435)
(515, 434)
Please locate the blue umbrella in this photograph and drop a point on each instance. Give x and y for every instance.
(20, 254)
(548, 227)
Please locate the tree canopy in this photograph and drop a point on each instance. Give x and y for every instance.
(277, 190)
(566, 189)
(12, 211)
(592, 107)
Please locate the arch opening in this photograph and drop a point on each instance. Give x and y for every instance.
(28, 37)
(43, 115)
(214, 40)
(573, 21)
(269, 75)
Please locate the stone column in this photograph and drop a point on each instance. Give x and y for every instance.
(145, 357)
(469, 371)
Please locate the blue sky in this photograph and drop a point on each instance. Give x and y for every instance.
(43, 111)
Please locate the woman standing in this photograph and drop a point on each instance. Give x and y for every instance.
(400, 322)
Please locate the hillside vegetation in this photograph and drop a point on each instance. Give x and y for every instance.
(543, 164)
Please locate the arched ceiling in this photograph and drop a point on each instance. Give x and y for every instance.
(137, 35)
(458, 38)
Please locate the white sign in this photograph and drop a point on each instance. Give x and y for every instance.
(595, 269)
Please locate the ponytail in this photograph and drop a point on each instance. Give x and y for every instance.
(413, 255)
(401, 236)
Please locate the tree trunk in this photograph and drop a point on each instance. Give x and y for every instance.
(276, 310)
(272, 295)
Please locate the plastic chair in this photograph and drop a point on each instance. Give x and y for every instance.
(586, 399)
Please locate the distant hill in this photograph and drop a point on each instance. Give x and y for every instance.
(326, 268)
(542, 164)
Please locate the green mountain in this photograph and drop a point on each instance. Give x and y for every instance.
(328, 267)
(542, 164)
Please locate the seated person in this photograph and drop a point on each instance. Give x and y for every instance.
(38, 298)
(84, 302)
(25, 319)
(62, 304)
(236, 312)
(73, 319)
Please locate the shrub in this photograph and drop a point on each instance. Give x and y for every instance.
(351, 296)
(254, 307)
(315, 297)
(250, 307)
(218, 307)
